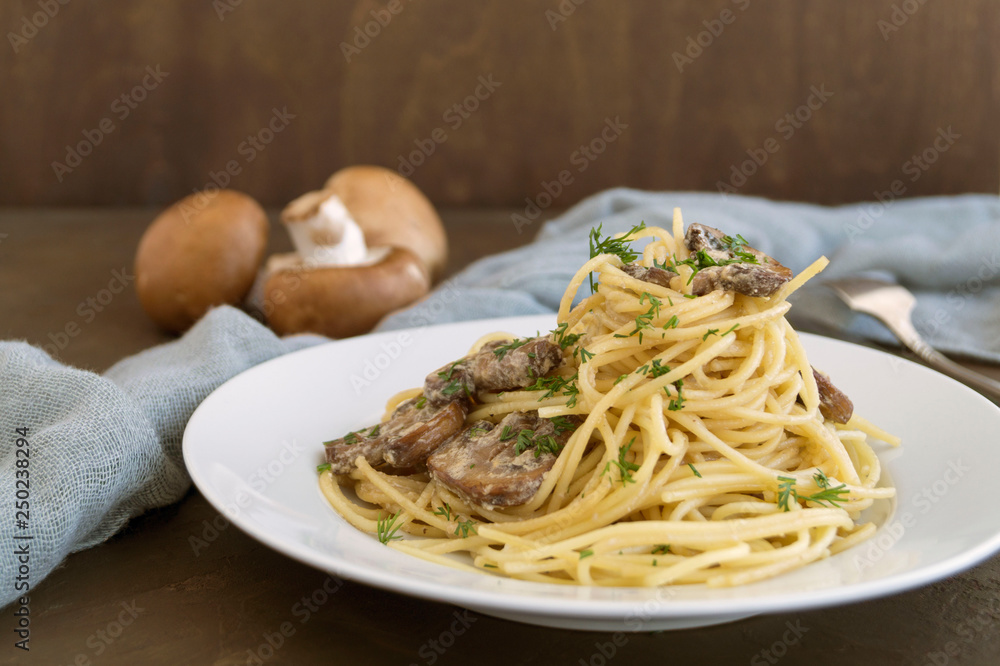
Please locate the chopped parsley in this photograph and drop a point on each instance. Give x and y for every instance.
(420, 403)
(323, 467)
(661, 549)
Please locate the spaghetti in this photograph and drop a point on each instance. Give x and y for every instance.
(701, 456)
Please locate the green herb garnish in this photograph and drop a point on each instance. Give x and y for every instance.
(502, 350)
(624, 466)
(386, 528)
(694, 469)
(586, 553)
(463, 527)
(617, 246)
(444, 511)
(322, 468)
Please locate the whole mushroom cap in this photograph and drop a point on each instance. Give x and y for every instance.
(392, 211)
(200, 252)
(342, 301)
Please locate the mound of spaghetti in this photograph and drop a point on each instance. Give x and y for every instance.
(669, 430)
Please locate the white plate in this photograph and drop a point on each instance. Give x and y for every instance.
(253, 445)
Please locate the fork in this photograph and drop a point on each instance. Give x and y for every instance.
(892, 305)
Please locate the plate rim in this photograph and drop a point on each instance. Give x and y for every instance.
(541, 605)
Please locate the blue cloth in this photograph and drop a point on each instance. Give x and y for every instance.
(945, 249)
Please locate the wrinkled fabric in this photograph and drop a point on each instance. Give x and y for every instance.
(944, 249)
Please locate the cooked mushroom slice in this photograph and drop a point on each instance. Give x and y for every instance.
(403, 442)
(833, 403)
(502, 465)
(746, 279)
(652, 274)
(503, 366)
(740, 268)
(450, 383)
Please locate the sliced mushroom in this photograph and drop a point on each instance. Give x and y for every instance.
(742, 268)
(502, 365)
(450, 383)
(403, 442)
(514, 364)
(833, 403)
(482, 463)
(651, 274)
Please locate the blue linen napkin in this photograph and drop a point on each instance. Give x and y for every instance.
(104, 449)
(944, 249)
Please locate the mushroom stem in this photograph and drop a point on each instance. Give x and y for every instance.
(324, 233)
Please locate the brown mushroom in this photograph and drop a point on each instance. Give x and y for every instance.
(202, 251)
(392, 211)
(357, 258)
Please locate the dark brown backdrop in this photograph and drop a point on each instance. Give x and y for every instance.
(900, 72)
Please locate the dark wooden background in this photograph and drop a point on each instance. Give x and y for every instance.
(231, 62)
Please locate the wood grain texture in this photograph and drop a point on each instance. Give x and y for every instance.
(559, 80)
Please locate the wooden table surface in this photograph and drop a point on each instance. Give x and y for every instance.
(145, 597)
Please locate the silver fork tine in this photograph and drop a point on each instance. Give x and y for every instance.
(892, 305)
